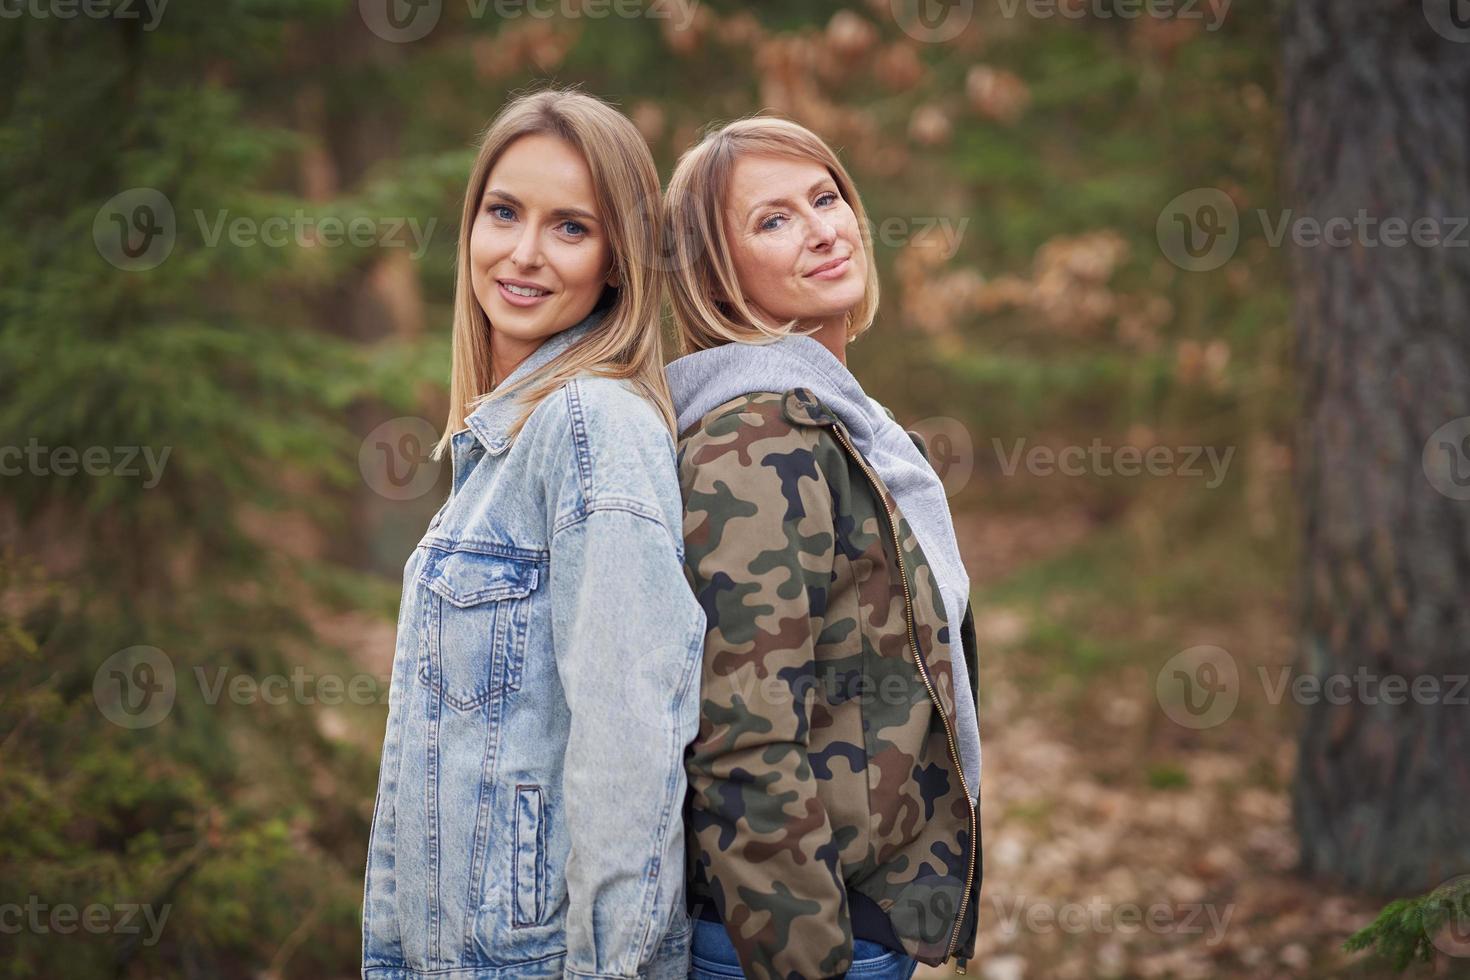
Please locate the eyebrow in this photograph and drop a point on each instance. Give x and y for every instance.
(510, 198)
(770, 201)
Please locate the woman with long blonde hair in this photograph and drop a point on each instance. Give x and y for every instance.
(527, 820)
(833, 817)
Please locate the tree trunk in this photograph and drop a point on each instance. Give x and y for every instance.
(1377, 127)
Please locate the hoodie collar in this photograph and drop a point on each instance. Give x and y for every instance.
(491, 419)
(701, 381)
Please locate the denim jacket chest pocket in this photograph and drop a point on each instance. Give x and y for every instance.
(477, 612)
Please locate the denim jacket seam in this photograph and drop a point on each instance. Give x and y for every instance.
(627, 505)
(580, 447)
(480, 547)
(652, 942)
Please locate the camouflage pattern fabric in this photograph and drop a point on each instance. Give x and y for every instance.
(824, 763)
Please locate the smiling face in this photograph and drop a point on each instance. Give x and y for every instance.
(795, 242)
(539, 249)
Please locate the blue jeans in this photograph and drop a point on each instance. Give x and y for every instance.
(713, 957)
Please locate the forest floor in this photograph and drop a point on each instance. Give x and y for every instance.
(1119, 844)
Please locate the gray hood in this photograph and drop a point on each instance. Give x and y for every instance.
(705, 380)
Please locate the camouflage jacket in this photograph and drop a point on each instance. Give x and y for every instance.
(825, 767)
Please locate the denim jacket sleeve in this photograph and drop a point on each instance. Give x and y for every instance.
(627, 633)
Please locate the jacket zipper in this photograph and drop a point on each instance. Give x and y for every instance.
(954, 755)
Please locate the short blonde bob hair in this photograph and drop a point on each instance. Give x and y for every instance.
(709, 307)
(628, 342)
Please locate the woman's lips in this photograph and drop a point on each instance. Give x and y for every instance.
(518, 299)
(835, 269)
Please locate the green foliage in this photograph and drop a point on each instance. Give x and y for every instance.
(1404, 931)
(236, 823)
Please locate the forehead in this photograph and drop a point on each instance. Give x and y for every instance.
(542, 169)
(762, 175)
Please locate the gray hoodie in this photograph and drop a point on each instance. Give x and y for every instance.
(705, 380)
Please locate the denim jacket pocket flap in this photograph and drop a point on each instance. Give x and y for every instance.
(467, 578)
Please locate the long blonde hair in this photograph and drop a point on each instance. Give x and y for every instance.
(709, 307)
(627, 343)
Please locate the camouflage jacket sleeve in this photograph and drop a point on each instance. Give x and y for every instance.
(759, 542)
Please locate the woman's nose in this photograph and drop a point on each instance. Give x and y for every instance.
(526, 253)
(823, 234)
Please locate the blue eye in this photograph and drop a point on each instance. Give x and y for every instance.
(770, 224)
(573, 228)
(827, 196)
(501, 211)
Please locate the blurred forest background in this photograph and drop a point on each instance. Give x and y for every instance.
(1019, 175)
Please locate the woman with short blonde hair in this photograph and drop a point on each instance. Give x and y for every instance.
(834, 781)
(710, 308)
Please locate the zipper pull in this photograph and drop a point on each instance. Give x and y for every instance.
(959, 965)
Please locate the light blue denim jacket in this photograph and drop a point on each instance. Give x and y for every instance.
(545, 684)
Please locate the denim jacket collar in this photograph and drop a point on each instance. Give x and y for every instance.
(491, 419)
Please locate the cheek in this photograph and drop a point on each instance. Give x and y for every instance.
(485, 243)
(578, 267)
(763, 267)
(854, 235)
(848, 226)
